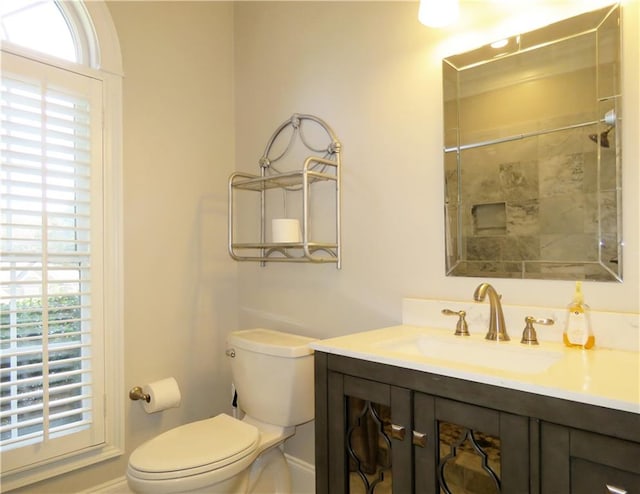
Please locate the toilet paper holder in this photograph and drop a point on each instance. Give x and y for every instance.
(136, 393)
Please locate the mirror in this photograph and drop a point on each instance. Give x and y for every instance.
(532, 154)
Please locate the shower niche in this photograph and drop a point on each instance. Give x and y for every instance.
(532, 153)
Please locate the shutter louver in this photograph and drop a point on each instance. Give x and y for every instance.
(45, 264)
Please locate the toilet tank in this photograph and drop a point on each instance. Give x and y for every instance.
(273, 375)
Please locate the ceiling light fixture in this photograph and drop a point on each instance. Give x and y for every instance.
(438, 13)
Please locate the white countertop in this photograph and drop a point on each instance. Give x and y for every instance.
(603, 377)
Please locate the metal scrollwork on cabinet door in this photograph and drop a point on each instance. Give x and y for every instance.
(469, 461)
(369, 448)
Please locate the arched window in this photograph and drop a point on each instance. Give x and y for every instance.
(60, 203)
(39, 25)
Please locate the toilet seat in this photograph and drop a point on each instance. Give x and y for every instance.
(195, 448)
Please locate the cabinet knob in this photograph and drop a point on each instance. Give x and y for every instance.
(419, 439)
(616, 490)
(397, 432)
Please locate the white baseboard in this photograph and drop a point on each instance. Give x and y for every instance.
(303, 476)
(114, 486)
(303, 480)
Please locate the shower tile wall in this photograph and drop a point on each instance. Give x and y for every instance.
(553, 193)
(549, 188)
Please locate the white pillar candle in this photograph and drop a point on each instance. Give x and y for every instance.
(285, 230)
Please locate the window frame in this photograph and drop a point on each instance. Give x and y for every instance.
(101, 59)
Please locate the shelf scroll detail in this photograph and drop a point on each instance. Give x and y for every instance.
(323, 168)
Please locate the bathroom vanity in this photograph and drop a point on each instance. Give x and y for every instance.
(393, 418)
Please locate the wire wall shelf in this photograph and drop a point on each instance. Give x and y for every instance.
(315, 170)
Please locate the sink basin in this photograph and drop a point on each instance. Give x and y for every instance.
(506, 356)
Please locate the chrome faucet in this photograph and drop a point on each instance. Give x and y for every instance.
(497, 327)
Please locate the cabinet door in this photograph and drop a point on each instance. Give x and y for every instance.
(576, 462)
(469, 449)
(368, 422)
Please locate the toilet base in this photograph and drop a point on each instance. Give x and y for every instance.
(269, 473)
(234, 485)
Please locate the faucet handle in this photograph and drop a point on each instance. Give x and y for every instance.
(529, 336)
(462, 328)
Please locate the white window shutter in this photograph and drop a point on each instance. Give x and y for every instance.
(51, 347)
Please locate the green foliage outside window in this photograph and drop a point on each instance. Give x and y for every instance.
(64, 314)
(21, 327)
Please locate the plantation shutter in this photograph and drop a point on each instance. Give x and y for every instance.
(50, 263)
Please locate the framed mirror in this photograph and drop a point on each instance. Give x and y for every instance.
(532, 153)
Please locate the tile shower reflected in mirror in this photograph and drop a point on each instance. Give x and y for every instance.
(532, 154)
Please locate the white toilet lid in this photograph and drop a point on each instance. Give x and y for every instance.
(214, 443)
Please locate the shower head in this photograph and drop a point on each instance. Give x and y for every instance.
(603, 137)
(610, 118)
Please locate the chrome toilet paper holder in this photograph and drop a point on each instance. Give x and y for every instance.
(136, 393)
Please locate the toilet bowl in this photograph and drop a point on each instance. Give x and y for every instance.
(273, 374)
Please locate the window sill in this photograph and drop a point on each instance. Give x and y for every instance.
(32, 474)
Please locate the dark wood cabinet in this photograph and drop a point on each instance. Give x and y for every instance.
(575, 461)
(362, 441)
(382, 429)
(472, 448)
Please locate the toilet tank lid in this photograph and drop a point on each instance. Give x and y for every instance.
(271, 342)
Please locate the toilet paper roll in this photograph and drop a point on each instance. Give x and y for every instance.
(285, 230)
(163, 394)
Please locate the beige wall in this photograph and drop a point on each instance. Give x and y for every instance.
(202, 76)
(373, 73)
(180, 288)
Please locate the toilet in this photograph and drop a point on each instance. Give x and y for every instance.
(273, 375)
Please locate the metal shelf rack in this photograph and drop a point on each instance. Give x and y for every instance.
(315, 169)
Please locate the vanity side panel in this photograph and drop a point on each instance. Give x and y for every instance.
(321, 423)
(338, 474)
